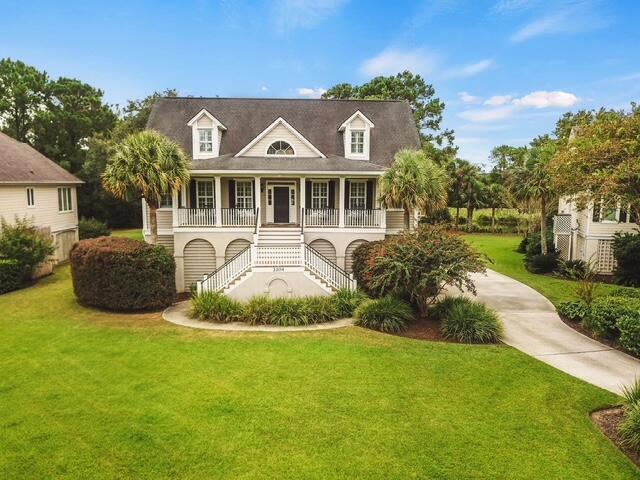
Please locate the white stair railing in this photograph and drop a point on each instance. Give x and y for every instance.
(227, 273)
(326, 269)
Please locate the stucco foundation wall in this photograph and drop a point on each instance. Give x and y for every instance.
(277, 284)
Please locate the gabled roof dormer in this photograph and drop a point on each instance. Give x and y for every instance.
(356, 133)
(206, 133)
(277, 140)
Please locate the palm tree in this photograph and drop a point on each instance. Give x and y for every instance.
(495, 197)
(531, 183)
(148, 164)
(414, 182)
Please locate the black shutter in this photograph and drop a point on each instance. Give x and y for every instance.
(370, 185)
(347, 193)
(180, 197)
(232, 194)
(332, 194)
(307, 193)
(192, 194)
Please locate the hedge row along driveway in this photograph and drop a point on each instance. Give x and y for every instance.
(86, 393)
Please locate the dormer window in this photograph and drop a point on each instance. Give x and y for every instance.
(357, 142)
(206, 140)
(280, 148)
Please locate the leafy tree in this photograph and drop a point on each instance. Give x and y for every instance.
(146, 164)
(602, 160)
(426, 107)
(414, 182)
(504, 159)
(455, 171)
(24, 242)
(22, 95)
(495, 196)
(473, 190)
(73, 112)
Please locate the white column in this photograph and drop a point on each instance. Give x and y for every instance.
(218, 205)
(174, 207)
(303, 192)
(258, 199)
(341, 203)
(144, 215)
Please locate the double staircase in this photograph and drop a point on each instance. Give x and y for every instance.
(283, 248)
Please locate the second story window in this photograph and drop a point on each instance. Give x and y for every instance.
(357, 141)
(31, 197)
(244, 194)
(204, 193)
(64, 199)
(205, 136)
(357, 195)
(319, 195)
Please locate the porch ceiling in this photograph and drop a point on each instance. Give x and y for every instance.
(282, 164)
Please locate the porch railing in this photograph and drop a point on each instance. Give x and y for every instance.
(196, 217)
(363, 218)
(277, 255)
(238, 217)
(321, 217)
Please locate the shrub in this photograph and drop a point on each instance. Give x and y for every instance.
(122, 274)
(421, 264)
(25, 244)
(320, 309)
(631, 393)
(605, 312)
(257, 311)
(626, 251)
(522, 246)
(441, 216)
(510, 221)
(534, 246)
(483, 220)
(629, 327)
(10, 275)
(572, 269)
(92, 228)
(470, 322)
(290, 312)
(629, 427)
(625, 292)
(346, 301)
(542, 263)
(575, 310)
(387, 314)
(362, 255)
(216, 307)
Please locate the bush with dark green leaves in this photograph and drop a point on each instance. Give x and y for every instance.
(574, 310)
(23, 242)
(626, 251)
(534, 245)
(92, 228)
(572, 269)
(522, 246)
(387, 314)
(216, 307)
(10, 275)
(511, 221)
(122, 274)
(542, 263)
(467, 321)
(441, 216)
(483, 220)
(625, 292)
(629, 327)
(347, 300)
(605, 312)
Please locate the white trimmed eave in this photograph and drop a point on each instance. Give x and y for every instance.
(283, 122)
(305, 173)
(357, 113)
(204, 112)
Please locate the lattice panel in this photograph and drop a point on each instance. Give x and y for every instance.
(606, 262)
(562, 224)
(562, 244)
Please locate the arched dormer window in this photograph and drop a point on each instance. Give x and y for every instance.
(280, 147)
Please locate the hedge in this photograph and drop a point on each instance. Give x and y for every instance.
(10, 275)
(122, 274)
(92, 228)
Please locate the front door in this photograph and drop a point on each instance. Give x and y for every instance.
(281, 204)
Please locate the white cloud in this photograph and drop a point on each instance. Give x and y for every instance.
(631, 76)
(466, 97)
(511, 6)
(392, 61)
(498, 100)
(311, 92)
(488, 115)
(264, 88)
(544, 99)
(294, 14)
(470, 70)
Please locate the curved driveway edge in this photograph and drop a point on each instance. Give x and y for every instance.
(178, 315)
(532, 325)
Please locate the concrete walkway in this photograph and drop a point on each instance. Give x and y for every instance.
(533, 326)
(178, 314)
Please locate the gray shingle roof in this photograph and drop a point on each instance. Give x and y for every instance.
(299, 164)
(22, 164)
(317, 120)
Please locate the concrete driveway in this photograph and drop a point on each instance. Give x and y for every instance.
(533, 326)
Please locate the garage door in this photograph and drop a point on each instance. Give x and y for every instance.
(348, 260)
(199, 260)
(64, 242)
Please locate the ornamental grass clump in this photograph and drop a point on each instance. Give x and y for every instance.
(629, 427)
(216, 307)
(347, 300)
(387, 314)
(467, 321)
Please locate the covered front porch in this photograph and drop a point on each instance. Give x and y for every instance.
(318, 201)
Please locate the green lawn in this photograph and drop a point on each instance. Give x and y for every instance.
(501, 249)
(88, 394)
(135, 233)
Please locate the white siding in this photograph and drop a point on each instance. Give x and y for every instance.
(199, 260)
(395, 219)
(166, 241)
(348, 260)
(325, 248)
(357, 124)
(280, 132)
(234, 248)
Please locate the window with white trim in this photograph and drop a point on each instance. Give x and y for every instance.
(31, 197)
(65, 203)
(166, 200)
(357, 141)
(319, 195)
(280, 148)
(205, 137)
(244, 194)
(357, 195)
(204, 193)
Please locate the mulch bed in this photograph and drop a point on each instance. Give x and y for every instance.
(424, 329)
(577, 326)
(607, 421)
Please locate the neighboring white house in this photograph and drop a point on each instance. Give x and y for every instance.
(587, 234)
(281, 191)
(34, 187)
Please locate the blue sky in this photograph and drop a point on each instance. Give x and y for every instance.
(506, 69)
